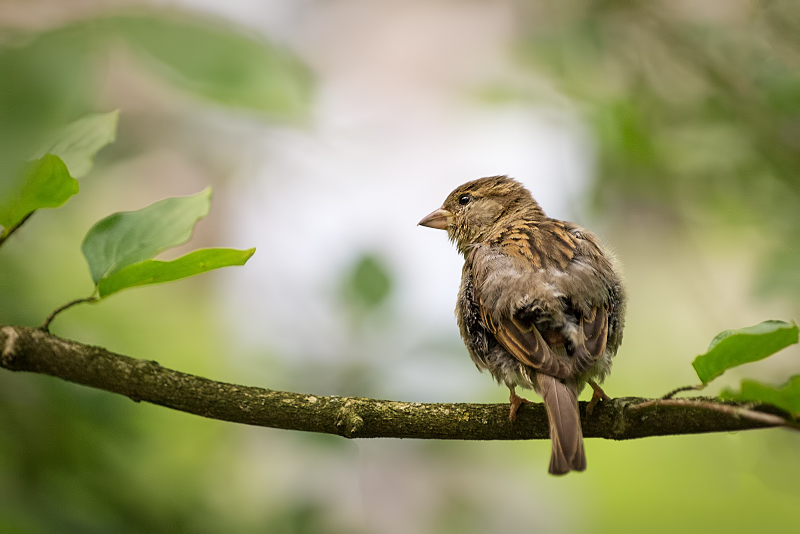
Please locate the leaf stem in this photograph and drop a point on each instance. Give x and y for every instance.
(8, 231)
(46, 325)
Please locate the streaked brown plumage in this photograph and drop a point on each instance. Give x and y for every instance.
(541, 304)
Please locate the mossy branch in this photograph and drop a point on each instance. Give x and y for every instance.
(34, 350)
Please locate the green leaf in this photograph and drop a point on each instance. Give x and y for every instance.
(155, 271)
(785, 397)
(47, 184)
(125, 238)
(218, 62)
(735, 347)
(78, 142)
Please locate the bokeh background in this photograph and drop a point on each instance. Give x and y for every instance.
(327, 130)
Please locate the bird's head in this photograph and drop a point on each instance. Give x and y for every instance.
(473, 211)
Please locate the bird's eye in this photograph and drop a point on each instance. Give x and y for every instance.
(464, 199)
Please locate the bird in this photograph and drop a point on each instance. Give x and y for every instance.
(541, 303)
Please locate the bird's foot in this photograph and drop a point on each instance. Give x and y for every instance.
(516, 402)
(597, 395)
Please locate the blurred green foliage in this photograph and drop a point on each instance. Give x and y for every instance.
(217, 62)
(51, 78)
(369, 284)
(695, 108)
(78, 142)
(73, 459)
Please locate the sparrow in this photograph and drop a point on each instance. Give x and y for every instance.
(541, 303)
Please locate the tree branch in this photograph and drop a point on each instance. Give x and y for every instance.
(34, 350)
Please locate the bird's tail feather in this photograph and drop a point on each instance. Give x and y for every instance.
(561, 403)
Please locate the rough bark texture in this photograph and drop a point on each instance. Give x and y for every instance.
(33, 350)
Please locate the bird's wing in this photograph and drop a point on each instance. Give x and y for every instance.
(595, 335)
(500, 280)
(524, 335)
(526, 344)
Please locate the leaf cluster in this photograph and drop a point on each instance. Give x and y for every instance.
(120, 248)
(732, 348)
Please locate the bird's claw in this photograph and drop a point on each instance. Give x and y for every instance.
(597, 395)
(516, 402)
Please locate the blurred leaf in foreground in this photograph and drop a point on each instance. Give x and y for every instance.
(217, 61)
(786, 396)
(45, 82)
(732, 348)
(47, 184)
(78, 142)
(119, 249)
(48, 79)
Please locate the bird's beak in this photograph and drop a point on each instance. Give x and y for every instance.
(439, 219)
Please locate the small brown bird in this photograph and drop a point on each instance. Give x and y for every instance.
(541, 304)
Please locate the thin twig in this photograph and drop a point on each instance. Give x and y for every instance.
(8, 231)
(675, 391)
(46, 325)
